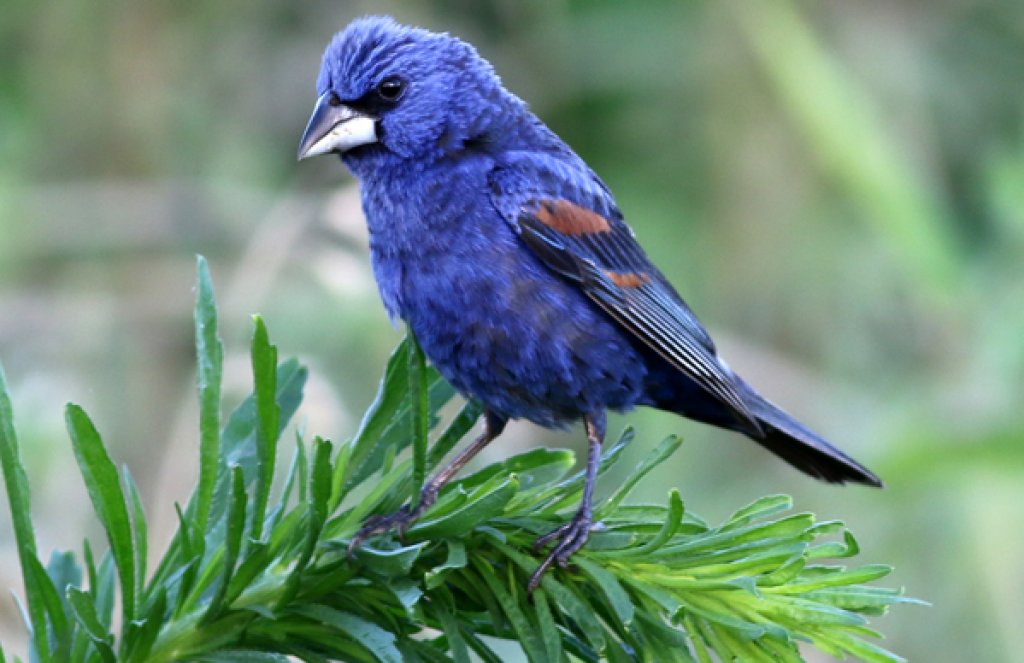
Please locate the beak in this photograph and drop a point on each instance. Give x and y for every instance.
(335, 127)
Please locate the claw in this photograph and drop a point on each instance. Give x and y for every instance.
(571, 537)
(545, 539)
(382, 523)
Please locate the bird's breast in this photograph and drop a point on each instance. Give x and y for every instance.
(494, 320)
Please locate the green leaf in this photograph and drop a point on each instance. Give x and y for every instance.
(568, 601)
(835, 549)
(866, 573)
(104, 590)
(104, 488)
(759, 508)
(320, 490)
(480, 648)
(379, 641)
(210, 368)
(58, 620)
(486, 502)
(534, 469)
(673, 519)
(148, 629)
(671, 643)
(190, 558)
(546, 626)
(445, 611)
(256, 560)
(384, 496)
(457, 429)
(610, 587)
(661, 453)
(553, 498)
(419, 416)
(390, 394)
(513, 609)
(85, 614)
(232, 541)
(140, 535)
(241, 656)
(62, 571)
(297, 474)
(238, 440)
(268, 414)
(862, 649)
(390, 563)
(456, 560)
(385, 428)
(238, 447)
(16, 484)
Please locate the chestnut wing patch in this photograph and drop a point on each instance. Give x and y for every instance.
(569, 219)
(609, 266)
(628, 279)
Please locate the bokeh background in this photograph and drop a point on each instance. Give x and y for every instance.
(837, 188)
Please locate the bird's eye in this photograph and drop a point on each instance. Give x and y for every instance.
(391, 88)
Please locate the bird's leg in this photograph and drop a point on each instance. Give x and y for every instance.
(571, 536)
(401, 520)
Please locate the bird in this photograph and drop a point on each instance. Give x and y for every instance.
(512, 264)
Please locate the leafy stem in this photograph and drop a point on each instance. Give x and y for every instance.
(255, 574)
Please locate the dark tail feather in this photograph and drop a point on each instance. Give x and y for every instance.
(805, 450)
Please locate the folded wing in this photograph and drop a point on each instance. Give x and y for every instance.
(576, 231)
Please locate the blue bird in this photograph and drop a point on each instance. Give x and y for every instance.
(512, 264)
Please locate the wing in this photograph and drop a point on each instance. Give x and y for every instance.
(569, 220)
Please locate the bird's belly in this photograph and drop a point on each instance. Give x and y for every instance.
(504, 330)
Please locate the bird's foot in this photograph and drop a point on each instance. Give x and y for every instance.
(399, 520)
(570, 538)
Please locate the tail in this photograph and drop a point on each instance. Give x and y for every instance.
(801, 447)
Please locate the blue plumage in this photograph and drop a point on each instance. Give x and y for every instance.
(513, 265)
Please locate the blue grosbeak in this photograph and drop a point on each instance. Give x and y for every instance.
(512, 264)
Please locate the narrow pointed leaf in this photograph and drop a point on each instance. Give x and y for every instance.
(457, 429)
(390, 394)
(419, 415)
(610, 587)
(268, 413)
(140, 535)
(673, 519)
(483, 505)
(16, 483)
(385, 427)
(149, 627)
(55, 616)
(104, 488)
(759, 508)
(378, 641)
(528, 636)
(241, 656)
(232, 541)
(210, 368)
(546, 625)
(85, 614)
(390, 563)
(667, 447)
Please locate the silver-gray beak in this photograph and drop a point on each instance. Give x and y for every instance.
(335, 127)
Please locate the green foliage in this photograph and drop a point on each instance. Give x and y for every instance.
(254, 577)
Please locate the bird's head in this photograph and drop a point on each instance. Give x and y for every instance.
(395, 92)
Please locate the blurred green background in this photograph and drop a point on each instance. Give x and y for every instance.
(837, 188)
